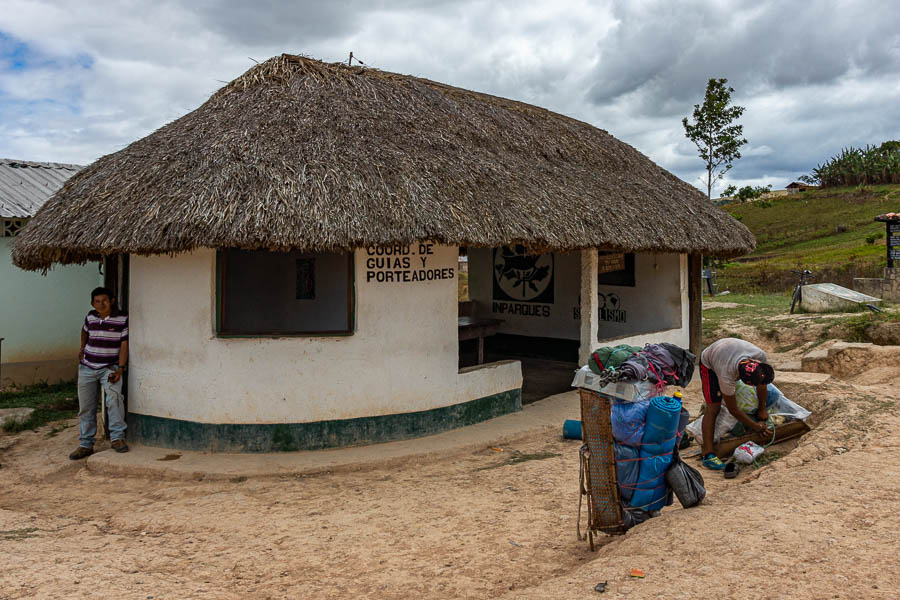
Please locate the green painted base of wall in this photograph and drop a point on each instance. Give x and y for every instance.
(292, 437)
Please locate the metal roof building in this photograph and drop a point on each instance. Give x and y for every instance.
(26, 185)
(38, 343)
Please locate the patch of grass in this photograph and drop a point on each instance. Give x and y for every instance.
(857, 327)
(752, 311)
(463, 286)
(789, 347)
(520, 457)
(767, 457)
(830, 231)
(50, 403)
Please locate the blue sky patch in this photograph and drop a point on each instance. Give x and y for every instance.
(16, 55)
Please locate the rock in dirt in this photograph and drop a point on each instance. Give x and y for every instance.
(8, 415)
(885, 334)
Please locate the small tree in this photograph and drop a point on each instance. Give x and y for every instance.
(713, 131)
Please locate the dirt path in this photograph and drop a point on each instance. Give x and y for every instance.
(819, 523)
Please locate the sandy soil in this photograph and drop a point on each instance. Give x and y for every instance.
(820, 522)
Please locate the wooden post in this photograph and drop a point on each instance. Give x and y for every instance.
(695, 302)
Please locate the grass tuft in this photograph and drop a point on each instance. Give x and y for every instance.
(830, 231)
(51, 402)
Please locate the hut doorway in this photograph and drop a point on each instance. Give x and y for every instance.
(521, 306)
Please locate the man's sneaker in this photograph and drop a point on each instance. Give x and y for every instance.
(81, 452)
(712, 462)
(119, 446)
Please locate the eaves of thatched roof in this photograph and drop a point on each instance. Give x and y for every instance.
(300, 154)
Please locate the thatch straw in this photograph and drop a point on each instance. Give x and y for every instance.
(300, 154)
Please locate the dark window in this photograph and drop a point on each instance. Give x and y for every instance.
(616, 268)
(284, 293)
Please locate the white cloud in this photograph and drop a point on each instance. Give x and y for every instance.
(813, 77)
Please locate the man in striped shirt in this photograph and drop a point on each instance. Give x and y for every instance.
(102, 362)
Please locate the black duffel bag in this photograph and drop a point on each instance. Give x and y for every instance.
(686, 482)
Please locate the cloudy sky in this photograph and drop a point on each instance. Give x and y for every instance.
(82, 79)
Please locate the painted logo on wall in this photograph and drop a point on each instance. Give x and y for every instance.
(610, 309)
(522, 277)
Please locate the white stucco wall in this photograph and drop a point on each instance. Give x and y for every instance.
(402, 357)
(40, 319)
(658, 304)
(653, 304)
(557, 319)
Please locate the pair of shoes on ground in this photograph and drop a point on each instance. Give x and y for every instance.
(714, 463)
(83, 452)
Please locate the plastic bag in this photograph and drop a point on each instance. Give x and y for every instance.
(686, 482)
(745, 396)
(776, 403)
(788, 409)
(747, 453)
(635, 516)
(724, 423)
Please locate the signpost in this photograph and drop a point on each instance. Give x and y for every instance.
(893, 242)
(893, 237)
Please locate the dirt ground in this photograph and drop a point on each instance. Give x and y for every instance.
(820, 522)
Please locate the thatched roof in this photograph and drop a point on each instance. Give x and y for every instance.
(300, 154)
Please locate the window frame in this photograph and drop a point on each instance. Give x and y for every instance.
(221, 276)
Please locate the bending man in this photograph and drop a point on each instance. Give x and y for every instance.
(722, 363)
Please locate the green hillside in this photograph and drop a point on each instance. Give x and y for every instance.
(825, 231)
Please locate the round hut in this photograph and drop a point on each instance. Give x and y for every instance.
(292, 252)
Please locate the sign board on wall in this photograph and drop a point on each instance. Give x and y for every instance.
(404, 263)
(615, 268)
(611, 262)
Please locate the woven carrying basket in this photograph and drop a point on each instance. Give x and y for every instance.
(600, 485)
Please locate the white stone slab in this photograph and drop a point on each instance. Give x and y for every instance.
(829, 297)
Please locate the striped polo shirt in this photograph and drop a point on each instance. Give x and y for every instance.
(105, 337)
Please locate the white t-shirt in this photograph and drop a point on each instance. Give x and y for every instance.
(723, 357)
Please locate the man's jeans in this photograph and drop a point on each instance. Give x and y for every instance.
(89, 382)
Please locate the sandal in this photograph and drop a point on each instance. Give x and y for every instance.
(731, 470)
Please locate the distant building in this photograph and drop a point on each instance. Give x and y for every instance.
(39, 315)
(796, 186)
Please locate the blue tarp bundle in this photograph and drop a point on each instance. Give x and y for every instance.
(627, 420)
(656, 449)
(627, 468)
